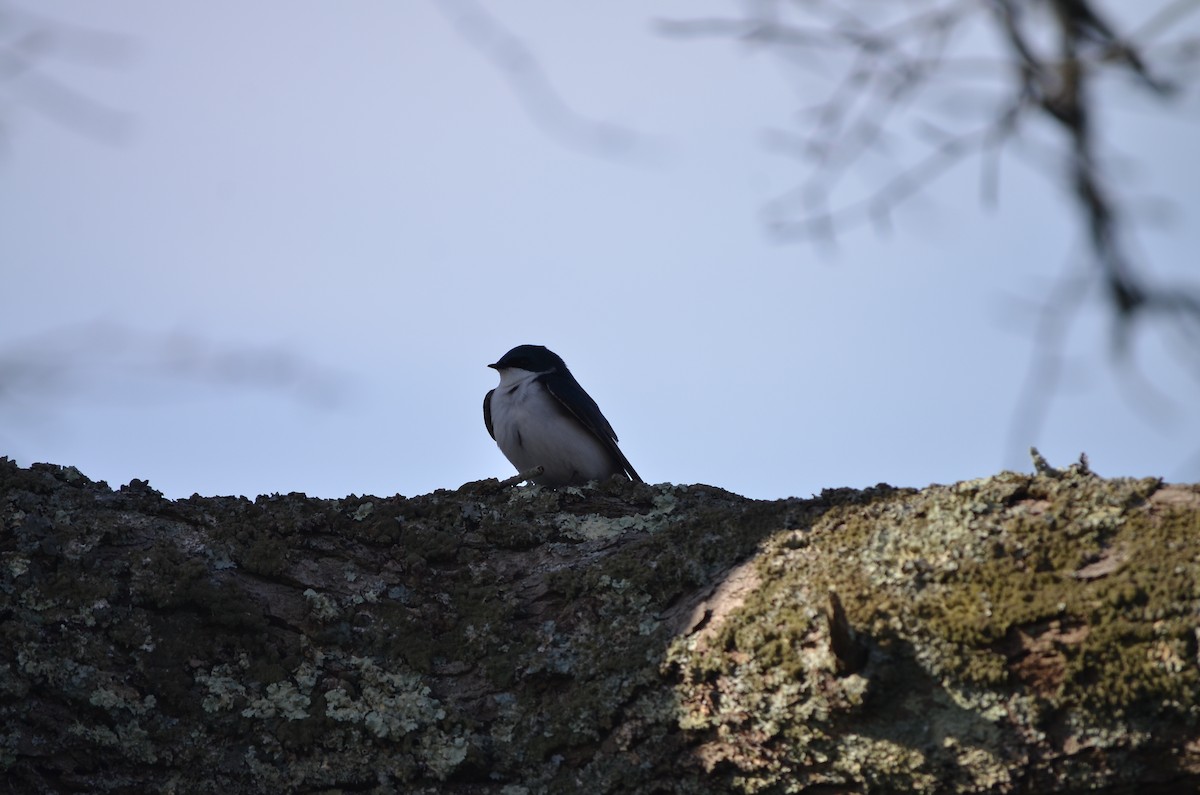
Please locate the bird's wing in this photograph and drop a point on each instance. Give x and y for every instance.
(487, 413)
(579, 404)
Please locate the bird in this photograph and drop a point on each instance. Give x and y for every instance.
(540, 416)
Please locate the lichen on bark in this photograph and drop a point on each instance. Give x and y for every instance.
(1001, 635)
(1018, 631)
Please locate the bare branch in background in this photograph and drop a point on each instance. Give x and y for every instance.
(880, 62)
(522, 70)
(97, 359)
(33, 48)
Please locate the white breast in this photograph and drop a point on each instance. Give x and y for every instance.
(533, 430)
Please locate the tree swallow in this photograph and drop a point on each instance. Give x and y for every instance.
(539, 415)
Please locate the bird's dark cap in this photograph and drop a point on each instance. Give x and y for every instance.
(535, 358)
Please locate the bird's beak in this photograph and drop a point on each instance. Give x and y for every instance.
(494, 366)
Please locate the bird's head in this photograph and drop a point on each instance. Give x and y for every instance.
(531, 358)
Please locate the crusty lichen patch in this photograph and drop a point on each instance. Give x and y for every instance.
(529, 640)
(483, 638)
(1008, 612)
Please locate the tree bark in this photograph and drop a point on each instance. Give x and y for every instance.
(1013, 634)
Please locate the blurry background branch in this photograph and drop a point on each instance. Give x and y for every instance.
(31, 46)
(523, 72)
(96, 361)
(101, 361)
(905, 82)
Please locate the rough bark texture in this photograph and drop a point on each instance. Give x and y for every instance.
(1013, 634)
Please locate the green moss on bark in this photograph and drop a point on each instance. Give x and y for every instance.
(992, 612)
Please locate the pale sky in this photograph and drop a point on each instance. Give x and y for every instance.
(280, 251)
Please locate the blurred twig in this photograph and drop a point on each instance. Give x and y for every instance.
(523, 72)
(31, 46)
(877, 59)
(93, 358)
